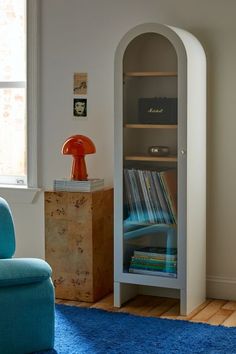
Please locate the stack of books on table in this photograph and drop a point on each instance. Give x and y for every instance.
(154, 261)
(70, 185)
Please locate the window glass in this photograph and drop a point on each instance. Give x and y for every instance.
(13, 133)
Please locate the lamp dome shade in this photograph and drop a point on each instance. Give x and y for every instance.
(78, 145)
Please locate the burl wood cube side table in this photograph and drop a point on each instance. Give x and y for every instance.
(79, 243)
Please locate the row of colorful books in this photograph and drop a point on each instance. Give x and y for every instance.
(70, 185)
(151, 196)
(154, 261)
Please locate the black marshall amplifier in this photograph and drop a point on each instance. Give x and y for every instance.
(157, 110)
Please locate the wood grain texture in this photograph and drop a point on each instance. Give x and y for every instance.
(151, 158)
(205, 314)
(163, 307)
(151, 126)
(172, 312)
(150, 73)
(219, 317)
(211, 311)
(79, 243)
(231, 320)
(194, 312)
(230, 305)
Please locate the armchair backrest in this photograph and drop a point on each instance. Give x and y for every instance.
(7, 232)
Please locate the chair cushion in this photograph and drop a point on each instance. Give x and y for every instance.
(7, 233)
(19, 271)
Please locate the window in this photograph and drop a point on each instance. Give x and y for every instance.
(18, 54)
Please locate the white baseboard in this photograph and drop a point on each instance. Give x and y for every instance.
(216, 288)
(221, 288)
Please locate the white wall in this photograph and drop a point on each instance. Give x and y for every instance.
(81, 36)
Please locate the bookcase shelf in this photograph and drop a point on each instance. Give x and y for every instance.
(151, 158)
(141, 229)
(151, 126)
(151, 74)
(149, 280)
(160, 200)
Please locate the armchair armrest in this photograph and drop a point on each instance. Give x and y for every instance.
(19, 271)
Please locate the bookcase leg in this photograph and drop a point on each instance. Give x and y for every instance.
(117, 299)
(123, 292)
(189, 303)
(183, 303)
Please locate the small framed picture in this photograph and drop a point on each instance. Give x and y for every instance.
(80, 107)
(80, 83)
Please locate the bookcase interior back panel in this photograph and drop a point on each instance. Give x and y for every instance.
(150, 52)
(150, 71)
(147, 53)
(137, 141)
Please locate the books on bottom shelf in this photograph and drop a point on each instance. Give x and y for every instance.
(155, 261)
(70, 185)
(150, 272)
(157, 252)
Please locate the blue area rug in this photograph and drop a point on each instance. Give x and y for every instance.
(92, 331)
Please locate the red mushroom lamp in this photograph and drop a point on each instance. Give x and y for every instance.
(78, 146)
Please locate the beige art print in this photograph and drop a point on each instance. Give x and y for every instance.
(80, 83)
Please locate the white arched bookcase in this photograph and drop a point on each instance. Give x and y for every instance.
(155, 60)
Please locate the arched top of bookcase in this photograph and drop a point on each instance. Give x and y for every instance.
(185, 44)
(190, 69)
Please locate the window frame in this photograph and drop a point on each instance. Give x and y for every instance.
(32, 92)
(26, 193)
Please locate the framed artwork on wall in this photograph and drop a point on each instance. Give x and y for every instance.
(80, 83)
(80, 86)
(80, 107)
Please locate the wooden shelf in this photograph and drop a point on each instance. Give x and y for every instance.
(170, 158)
(151, 126)
(151, 74)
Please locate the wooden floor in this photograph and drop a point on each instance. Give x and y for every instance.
(214, 312)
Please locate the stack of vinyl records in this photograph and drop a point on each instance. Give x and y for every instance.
(151, 196)
(154, 261)
(70, 185)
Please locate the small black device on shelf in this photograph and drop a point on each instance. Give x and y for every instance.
(157, 110)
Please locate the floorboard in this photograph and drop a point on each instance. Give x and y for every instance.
(214, 312)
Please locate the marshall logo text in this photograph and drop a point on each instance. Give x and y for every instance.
(155, 110)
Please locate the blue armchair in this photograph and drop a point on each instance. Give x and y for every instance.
(26, 296)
